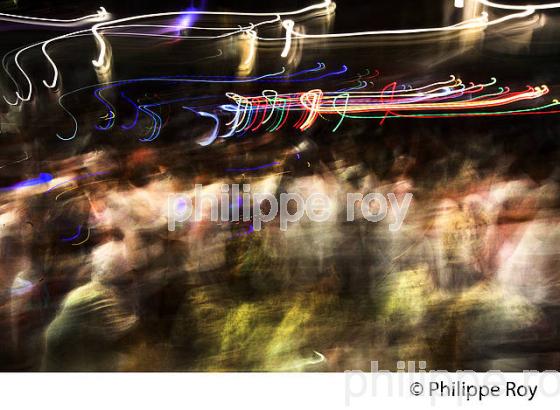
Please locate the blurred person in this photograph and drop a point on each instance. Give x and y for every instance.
(90, 329)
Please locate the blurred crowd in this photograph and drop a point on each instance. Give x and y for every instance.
(92, 279)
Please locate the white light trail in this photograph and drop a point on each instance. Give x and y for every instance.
(328, 6)
(289, 26)
(546, 6)
(101, 15)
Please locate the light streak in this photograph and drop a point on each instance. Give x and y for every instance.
(541, 110)
(136, 111)
(45, 44)
(16, 162)
(546, 6)
(103, 47)
(99, 29)
(156, 119)
(64, 192)
(451, 95)
(145, 108)
(79, 177)
(392, 87)
(55, 69)
(320, 358)
(273, 106)
(156, 127)
(343, 114)
(272, 164)
(249, 52)
(314, 97)
(101, 15)
(110, 116)
(43, 178)
(71, 238)
(289, 26)
(85, 240)
(480, 22)
(214, 133)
